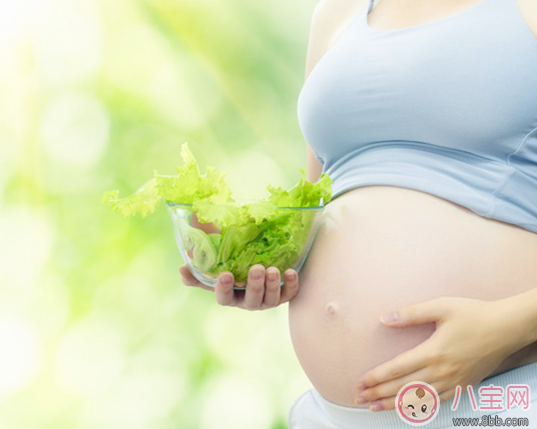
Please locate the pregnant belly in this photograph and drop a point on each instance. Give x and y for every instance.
(382, 247)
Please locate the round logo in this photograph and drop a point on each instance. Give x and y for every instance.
(417, 403)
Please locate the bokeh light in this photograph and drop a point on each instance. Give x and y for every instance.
(18, 360)
(74, 130)
(96, 329)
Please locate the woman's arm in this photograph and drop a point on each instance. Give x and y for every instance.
(315, 168)
(523, 356)
(473, 340)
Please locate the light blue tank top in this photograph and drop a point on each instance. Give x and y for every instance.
(448, 107)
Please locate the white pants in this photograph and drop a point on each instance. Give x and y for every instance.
(312, 411)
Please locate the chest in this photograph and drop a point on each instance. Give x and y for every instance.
(464, 82)
(396, 14)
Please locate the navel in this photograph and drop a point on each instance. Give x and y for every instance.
(331, 308)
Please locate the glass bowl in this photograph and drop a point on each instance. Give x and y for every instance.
(254, 233)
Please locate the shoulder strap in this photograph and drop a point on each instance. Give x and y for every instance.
(371, 4)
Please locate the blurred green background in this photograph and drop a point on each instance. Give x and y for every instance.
(96, 329)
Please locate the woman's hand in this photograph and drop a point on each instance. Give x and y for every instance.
(262, 290)
(471, 340)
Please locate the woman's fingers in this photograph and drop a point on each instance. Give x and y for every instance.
(383, 404)
(403, 364)
(187, 277)
(225, 295)
(389, 388)
(266, 291)
(386, 404)
(290, 286)
(272, 288)
(263, 289)
(255, 288)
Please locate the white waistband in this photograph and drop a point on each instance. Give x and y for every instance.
(349, 417)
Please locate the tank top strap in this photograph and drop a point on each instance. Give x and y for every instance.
(371, 4)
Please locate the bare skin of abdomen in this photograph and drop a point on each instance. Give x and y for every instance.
(379, 248)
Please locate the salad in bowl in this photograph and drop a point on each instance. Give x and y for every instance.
(215, 233)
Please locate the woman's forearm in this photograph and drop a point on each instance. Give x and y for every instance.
(524, 356)
(522, 310)
(520, 315)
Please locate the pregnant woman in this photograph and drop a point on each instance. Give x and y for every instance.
(424, 268)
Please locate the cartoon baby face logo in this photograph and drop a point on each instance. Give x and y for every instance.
(417, 403)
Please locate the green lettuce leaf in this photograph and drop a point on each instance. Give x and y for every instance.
(304, 193)
(187, 187)
(264, 232)
(144, 201)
